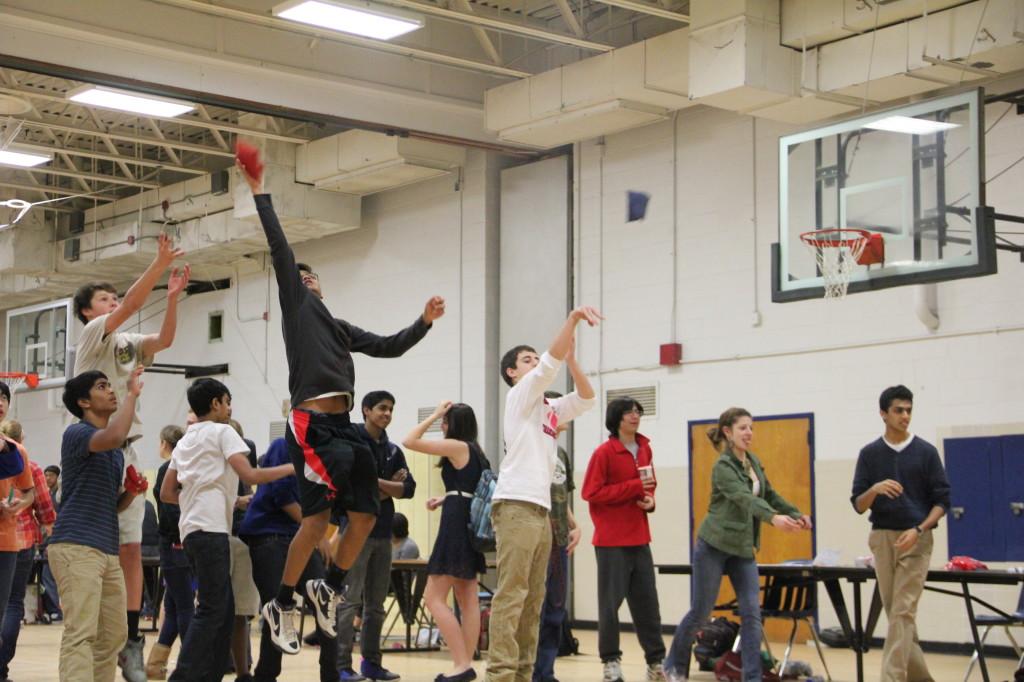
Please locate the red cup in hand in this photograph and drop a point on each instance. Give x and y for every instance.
(249, 156)
(134, 482)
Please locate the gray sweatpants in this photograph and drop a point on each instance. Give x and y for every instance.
(628, 573)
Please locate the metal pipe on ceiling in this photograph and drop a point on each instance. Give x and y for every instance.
(130, 160)
(139, 139)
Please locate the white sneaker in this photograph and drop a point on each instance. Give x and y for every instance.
(324, 601)
(655, 671)
(612, 671)
(282, 627)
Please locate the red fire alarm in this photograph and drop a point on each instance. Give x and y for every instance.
(671, 354)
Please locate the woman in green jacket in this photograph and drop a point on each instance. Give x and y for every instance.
(741, 499)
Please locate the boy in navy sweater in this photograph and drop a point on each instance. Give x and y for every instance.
(900, 478)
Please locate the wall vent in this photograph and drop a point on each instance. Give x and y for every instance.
(645, 395)
(277, 429)
(424, 412)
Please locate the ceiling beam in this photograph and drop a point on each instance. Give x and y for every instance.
(197, 122)
(138, 139)
(500, 25)
(111, 179)
(101, 156)
(50, 189)
(381, 45)
(481, 35)
(570, 19)
(645, 8)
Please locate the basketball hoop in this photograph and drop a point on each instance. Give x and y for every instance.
(837, 252)
(16, 380)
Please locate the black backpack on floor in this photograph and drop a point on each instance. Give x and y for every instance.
(713, 640)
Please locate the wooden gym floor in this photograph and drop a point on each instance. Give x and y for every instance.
(36, 661)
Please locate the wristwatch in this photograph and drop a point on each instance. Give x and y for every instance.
(920, 531)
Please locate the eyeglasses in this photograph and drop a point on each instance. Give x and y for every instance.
(311, 275)
(638, 412)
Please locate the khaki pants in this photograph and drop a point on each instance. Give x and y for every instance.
(523, 534)
(901, 578)
(92, 594)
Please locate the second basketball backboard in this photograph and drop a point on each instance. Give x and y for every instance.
(37, 341)
(913, 175)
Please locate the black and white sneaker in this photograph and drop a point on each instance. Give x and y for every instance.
(324, 601)
(282, 627)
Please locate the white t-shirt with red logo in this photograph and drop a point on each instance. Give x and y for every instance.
(531, 432)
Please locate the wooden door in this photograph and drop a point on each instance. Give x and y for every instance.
(784, 444)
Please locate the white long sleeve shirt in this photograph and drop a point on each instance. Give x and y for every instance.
(531, 432)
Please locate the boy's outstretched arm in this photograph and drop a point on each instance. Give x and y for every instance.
(137, 294)
(154, 343)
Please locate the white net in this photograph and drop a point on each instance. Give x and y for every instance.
(836, 253)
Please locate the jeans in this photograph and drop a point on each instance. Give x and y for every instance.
(204, 651)
(51, 599)
(15, 608)
(628, 573)
(552, 614)
(268, 554)
(709, 564)
(368, 581)
(179, 596)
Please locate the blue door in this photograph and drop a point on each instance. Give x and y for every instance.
(975, 470)
(1011, 505)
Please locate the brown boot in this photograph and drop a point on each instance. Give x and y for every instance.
(156, 664)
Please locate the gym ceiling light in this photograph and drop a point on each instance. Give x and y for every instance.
(359, 18)
(148, 105)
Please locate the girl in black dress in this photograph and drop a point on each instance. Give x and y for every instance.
(454, 564)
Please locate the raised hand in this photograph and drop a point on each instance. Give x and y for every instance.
(255, 184)
(442, 408)
(434, 309)
(135, 382)
(166, 252)
(178, 280)
(588, 314)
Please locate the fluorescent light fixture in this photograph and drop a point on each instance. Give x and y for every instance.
(911, 126)
(360, 18)
(108, 98)
(9, 157)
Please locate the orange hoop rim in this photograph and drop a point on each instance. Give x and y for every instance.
(31, 379)
(814, 238)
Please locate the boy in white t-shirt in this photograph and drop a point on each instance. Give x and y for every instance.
(522, 498)
(116, 353)
(202, 479)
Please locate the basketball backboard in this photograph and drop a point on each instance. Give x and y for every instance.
(913, 174)
(37, 341)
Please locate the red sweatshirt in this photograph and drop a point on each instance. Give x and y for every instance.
(612, 487)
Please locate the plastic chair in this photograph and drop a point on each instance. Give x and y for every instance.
(795, 599)
(990, 621)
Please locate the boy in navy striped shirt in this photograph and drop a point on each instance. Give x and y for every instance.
(83, 550)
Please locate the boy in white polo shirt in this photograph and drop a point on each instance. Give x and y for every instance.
(202, 479)
(522, 498)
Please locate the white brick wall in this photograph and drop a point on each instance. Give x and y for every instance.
(966, 373)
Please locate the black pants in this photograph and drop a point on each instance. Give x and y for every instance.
(268, 554)
(205, 651)
(628, 573)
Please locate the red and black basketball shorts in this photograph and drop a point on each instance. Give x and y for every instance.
(335, 467)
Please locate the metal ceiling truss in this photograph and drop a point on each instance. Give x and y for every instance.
(109, 154)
